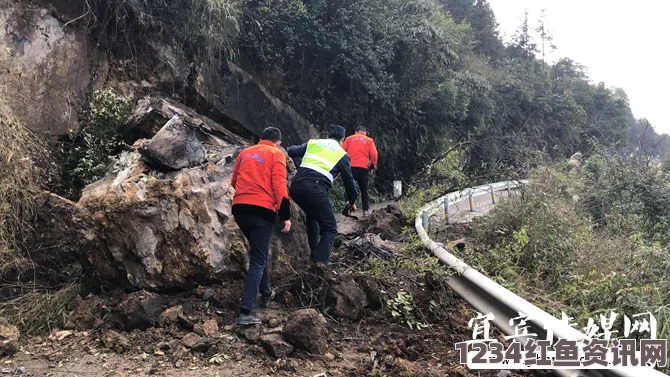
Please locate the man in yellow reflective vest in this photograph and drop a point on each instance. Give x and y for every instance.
(322, 161)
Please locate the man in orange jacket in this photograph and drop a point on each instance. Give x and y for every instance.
(364, 158)
(259, 180)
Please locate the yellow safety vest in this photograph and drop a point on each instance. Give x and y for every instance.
(322, 155)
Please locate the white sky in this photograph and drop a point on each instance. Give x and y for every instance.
(622, 43)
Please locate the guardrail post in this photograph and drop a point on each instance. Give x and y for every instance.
(425, 220)
(397, 189)
(493, 197)
(446, 210)
(472, 203)
(508, 188)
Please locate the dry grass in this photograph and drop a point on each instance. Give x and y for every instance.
(37, 312)
(21, 154)
(19, 182)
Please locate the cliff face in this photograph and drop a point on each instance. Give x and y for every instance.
(45, 67)
(49, 64)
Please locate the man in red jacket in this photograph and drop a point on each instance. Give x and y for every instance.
(364, 157)
(259, 180)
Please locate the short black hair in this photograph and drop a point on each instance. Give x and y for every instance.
(361, 129)
(337, 132)
(271, 133)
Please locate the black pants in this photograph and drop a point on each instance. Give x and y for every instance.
(258, 231)
(362, 177)
(313, 197)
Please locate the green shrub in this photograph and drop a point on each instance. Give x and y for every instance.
(85, 156)
(582, 243)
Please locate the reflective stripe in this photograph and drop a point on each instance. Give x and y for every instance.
(322, 155)
(318, 169)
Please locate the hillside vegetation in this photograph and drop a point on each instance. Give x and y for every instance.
(422, 75)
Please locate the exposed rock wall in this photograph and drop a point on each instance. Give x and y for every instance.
(44, 67)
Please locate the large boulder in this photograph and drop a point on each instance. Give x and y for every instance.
(163, 231)
(47, 67)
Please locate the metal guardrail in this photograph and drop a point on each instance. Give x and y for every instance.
(486, 296)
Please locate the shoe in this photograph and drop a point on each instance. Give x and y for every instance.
(320, 265)
(265, 301)
(366, 212)
(248, 319)
(319, 268)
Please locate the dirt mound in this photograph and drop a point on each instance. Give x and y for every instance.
(388, 223)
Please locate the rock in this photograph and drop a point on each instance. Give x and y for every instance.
(185, 322)
(60, 335)
(180, 353)
(9, 338)
(47, 68)
(274, 322)
(348, 299)
(139, 310)
(163, 346)
(306, 329)
(171, 231)
(83, 313)
(372, 290)
(210, 328)
(209, 294)
(152, 112)
(250, 333)
(174, 147)
(192, 341)
(236, 95)
(196, 343)
(116, 341)
(170, 315)
(162, 231)
(275, 345)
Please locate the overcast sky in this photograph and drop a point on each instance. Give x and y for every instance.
(622, 43)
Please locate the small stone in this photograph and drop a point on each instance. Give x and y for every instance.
(174, 344)
(210, 328)
(208, 294)
(139, 310)
(329, 356)
(181, 353)
(274, 322)
(250, 333)
(116, 341)
(9, 339)
(191, 340)
(60, 335)
(170, 315)
(275, 345)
